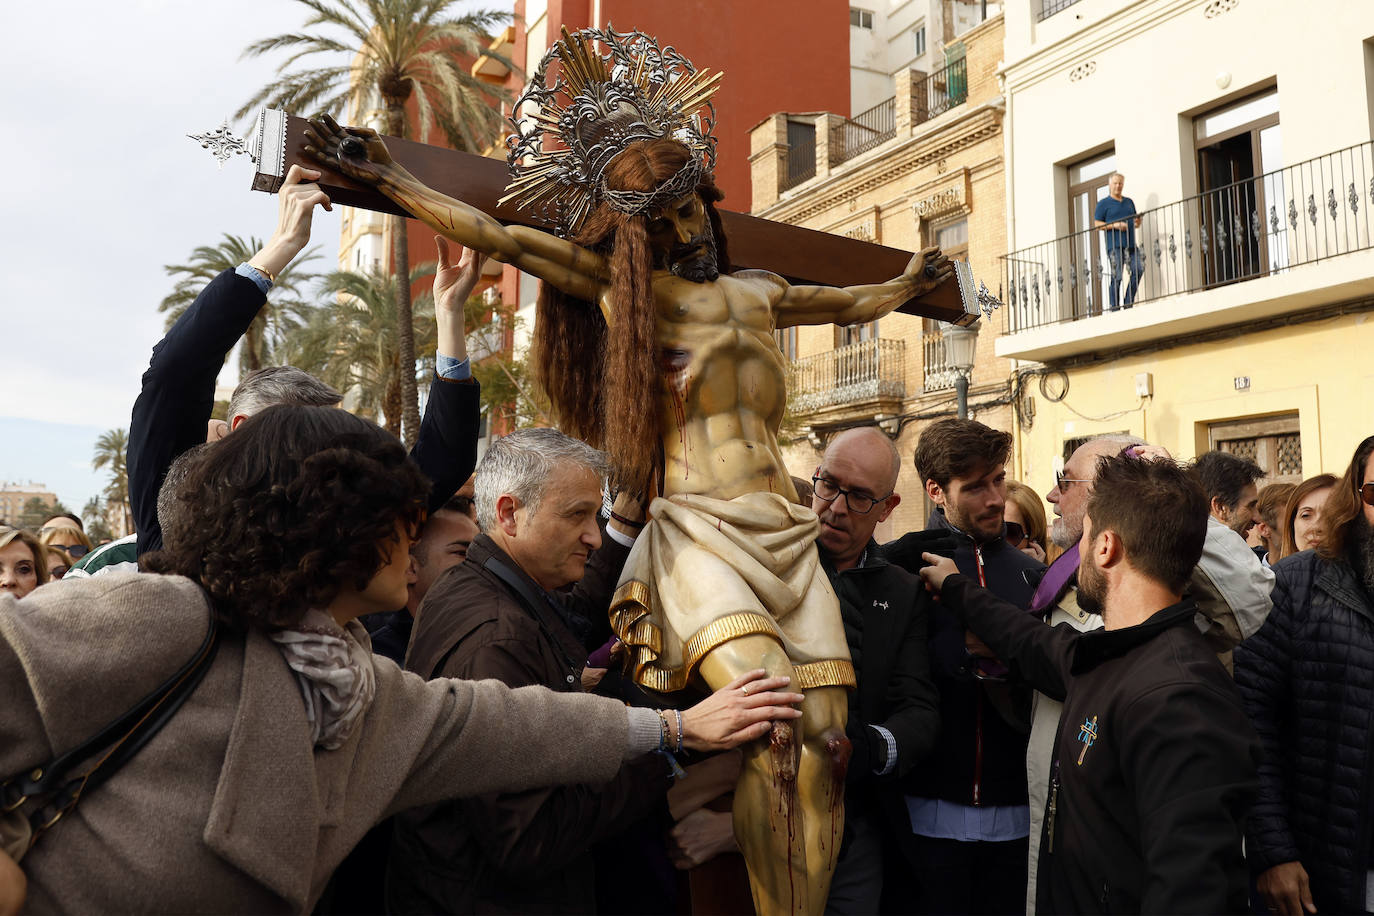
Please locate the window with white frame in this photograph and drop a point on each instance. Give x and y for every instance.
(862, 19)
(920, 35)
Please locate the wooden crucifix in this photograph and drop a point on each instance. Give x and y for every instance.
(803, 256)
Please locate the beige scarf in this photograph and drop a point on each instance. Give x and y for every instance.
(333, 666)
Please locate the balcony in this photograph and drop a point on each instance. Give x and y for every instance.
(852, 137)
(1202, 262)
(864, 378)
(848, 138)
(938, 374)
(944, 89)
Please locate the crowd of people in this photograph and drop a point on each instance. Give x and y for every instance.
(330, 675)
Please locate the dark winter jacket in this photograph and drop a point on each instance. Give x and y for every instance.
(885, 611)
(178, 395)
(981, 758)
(526, 852)
(1155, 760)
(1307, 678)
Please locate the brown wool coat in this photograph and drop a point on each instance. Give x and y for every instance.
(229, 808)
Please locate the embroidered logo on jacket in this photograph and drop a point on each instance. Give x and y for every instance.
(881, 604)
(1087, 733)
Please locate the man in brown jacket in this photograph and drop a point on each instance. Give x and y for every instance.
(507, 613)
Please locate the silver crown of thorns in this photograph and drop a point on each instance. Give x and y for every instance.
(567, 133)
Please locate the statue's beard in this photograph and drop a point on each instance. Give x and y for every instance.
(696, 260)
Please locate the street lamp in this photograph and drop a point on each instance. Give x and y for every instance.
(960, 344)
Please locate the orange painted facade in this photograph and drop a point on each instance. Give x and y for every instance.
(777, 55)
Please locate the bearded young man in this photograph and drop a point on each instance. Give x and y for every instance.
(967, 800)
(1307, 678)
(1153, 773)
(650, 348)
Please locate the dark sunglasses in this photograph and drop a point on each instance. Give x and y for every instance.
(1367, 494)
(1016, 534)
(75, 551)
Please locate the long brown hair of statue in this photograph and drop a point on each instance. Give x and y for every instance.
(605, 387)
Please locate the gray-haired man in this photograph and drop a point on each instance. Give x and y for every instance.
(525, 607)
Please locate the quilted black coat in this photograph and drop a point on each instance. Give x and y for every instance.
(1307, 679)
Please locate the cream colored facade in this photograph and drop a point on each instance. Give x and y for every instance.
(13, 496)
(936, 173)
(1262, 358)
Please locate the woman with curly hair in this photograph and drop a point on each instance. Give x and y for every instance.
(298, 739)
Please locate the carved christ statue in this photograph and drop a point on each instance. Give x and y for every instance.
(651, 348)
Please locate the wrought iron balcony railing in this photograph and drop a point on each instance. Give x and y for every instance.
(853, 136)
(1049, 7)
(935, 366)
(801, 159)
(1252, 228)
(944, 89)
(864, 371)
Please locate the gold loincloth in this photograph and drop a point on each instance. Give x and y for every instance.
(705, 571)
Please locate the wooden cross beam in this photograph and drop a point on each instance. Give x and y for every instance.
(803, 256)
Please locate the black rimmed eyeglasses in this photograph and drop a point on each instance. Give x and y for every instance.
(828, 491)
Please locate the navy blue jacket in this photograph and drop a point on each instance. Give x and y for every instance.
(981, 757)
(1307, 678)
(178, 396)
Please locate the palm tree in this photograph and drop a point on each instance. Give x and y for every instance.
(283, 310)
(401, 52)
(350, 342)
(109, 452)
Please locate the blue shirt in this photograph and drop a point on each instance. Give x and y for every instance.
(1112, 211)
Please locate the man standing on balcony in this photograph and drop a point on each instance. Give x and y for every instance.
(1116, 214)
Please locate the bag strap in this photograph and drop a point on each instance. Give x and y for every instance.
(532, 602)
(119, 741)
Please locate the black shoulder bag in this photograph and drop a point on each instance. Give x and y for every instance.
(36, 799)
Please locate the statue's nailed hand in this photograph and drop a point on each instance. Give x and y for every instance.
(927, 270)
(357, 152)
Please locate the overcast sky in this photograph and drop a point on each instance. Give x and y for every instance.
(101, 189)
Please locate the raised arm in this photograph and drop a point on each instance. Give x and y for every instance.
(857, 304)
(360, 153)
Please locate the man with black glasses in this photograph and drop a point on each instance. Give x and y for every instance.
(967, 801)
(893, 715)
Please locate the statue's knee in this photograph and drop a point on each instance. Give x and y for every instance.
(782, 751)
(839, 750)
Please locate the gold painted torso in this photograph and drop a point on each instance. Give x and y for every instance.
(724, 387)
